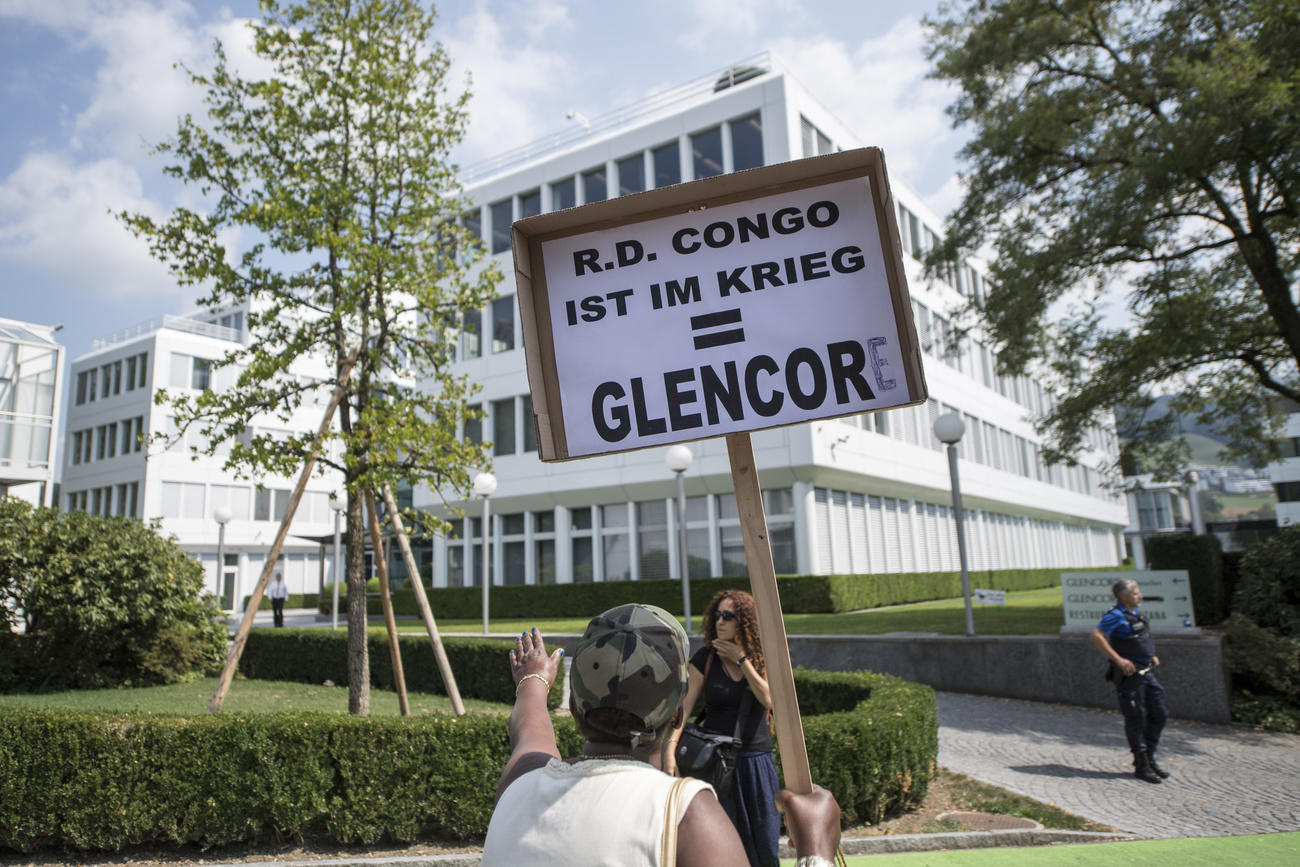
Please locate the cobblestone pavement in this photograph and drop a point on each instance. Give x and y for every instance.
(1226, 779)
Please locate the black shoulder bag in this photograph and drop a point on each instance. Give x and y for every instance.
(712, 757)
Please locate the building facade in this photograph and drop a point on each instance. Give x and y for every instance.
(1285, 474)
(867, 493)
(123, 455)
(31, 363)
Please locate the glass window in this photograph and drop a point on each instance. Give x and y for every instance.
(618, 562)
(530, 425)
(530, 204)
(583, 561)
(652, 538)
(501, 213)
(182, 369)
(732, 543)
(544, 554)
(473, 222)
(614, 515)
(503, 428)
(778, 501)
(512, 525)
(593, 186)
(512, 555)
(706, 148)
(81, 388)
(697, 509)
(808, 136)
(783, 552)
(543, 522)
(580, 518)
(697, 553)
(668, 165)
(746, 143)
(727, 509)
(503, 324)
(631, 174)
(563, 195)
(471, 326)
(455, 566)
(201, 377)
(473, 424)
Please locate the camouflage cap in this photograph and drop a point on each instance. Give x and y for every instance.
(632, 657)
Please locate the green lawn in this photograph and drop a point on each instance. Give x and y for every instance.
(244, 697)
(1027, 612)
(1208, 851)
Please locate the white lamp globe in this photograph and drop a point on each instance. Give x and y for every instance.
(679, 458)
(484, 484)
(222, 514)
(949, 427)
(336, 504)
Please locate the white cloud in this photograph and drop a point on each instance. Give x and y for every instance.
(879, 90)
(705, 24)
(55, 216)
(515, 77)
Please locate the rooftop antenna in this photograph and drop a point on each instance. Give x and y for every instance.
(574, 114)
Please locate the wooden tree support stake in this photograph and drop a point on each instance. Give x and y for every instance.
(767, 605)
(386, 602)
(421, 599)
(241, 636)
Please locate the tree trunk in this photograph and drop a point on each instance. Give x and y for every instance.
(358, 653)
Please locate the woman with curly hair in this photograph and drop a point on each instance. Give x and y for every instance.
(731, 675)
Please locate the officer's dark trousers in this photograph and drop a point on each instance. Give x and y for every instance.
(1142, 701)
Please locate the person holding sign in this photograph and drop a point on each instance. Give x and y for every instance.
(613, 804)
(1124, 637)
(730, 673)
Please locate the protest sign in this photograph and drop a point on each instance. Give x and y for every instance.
(740, 302)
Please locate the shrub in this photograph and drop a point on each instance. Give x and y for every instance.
(295, 600)
(92, 602)
(85, 781)
(317, 655)
(1261, 660)
(1268, 584)
(1202, 558)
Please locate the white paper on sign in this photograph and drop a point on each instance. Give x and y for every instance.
(760, 313)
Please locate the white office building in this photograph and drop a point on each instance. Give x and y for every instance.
(861, 494)
(111, 468)
(31, 362)
(1285, 474)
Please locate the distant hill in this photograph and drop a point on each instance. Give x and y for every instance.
(1204, 441)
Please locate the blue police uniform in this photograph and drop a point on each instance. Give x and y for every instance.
(1141, 697)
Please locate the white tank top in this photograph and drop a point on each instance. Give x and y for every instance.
(592, 813)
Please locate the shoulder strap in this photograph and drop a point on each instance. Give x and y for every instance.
(668, 840)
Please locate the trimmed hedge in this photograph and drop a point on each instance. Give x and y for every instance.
(295, 600)
(1202, 558)
(800, 594)
(96, 782)
(317, 655)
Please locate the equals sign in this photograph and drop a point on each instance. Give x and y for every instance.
(712, 321)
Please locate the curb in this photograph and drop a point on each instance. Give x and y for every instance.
(851, 845)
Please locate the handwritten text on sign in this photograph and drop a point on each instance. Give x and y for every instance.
(756, 314)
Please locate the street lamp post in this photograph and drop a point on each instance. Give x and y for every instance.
(948, 428)
(337, 505)
(484, 485)
(679, 459)
(222, 516)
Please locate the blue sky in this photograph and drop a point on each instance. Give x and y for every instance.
(87, 85)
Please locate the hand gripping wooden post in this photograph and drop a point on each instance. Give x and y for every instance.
(241, 636)
(767, 605)
(439, 653)
(386, 602)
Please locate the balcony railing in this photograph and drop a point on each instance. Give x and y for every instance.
(176, 323)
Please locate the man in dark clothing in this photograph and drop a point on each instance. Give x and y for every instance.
(1124, 637)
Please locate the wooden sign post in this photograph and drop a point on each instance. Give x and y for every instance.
(742, 302)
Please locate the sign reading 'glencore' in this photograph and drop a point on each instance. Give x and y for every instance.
(741, 302)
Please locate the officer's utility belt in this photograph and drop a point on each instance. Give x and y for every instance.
(1113, 673)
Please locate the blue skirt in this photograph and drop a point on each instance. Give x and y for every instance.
(751, 805)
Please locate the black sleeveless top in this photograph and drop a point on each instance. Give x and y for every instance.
(722, 697)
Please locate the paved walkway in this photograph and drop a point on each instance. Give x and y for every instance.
(1226, 779)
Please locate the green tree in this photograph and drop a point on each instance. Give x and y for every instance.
(334, 172)
(1154, 145)
(90, 602)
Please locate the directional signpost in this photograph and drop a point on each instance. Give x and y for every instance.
(1166, 599)
(745, 301)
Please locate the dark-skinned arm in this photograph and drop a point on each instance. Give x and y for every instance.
(532, 736)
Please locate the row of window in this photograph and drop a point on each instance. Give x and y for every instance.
(106, 441)
(199, 501)
(508, 438)
(108, 380)
(1287, 492)
(189, 371)
(731, 146)
(121, 500)
(501, 313)
(620, 541)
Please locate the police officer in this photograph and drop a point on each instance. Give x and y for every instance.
(1124, 636)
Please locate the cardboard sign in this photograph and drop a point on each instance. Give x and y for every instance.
(1166, 598)
(991, 597)
(736, 303)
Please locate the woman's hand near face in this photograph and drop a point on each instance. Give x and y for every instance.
(728, 649)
